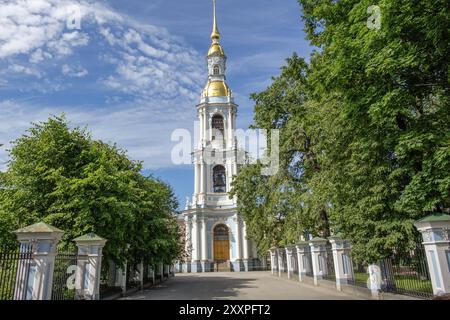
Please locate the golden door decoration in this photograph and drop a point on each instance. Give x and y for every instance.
(221, 243)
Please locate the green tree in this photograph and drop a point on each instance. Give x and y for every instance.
(65, 178)
(391, 160)
(365, 139)
(280, 208)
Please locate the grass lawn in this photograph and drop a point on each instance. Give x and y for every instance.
(410, 283)
(403, 283)
(361, 277)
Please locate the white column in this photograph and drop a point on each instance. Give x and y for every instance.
(204, 245)
(318, 252)
(435, 232)
(205, 127)
(280, 262)
(201, 129)
(289, 252)
(195, 253)
(202, 179)
(45, 239)
(196, 178)
(141, 275)
(233, 125)
(273, 260)
(229, 176)
(210, 133)
(230, 129)
(303, 262)
(188, 240)
(121, 278)
(87, 278)
(238, 240)
(342, 263)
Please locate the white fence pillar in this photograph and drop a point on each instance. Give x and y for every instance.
(153, 276)
(435, 230)
(319, 258)
(343, 265)
(304, 266)
(36, 283)
(280, 261)
(141, 275)
(290, 267)
(121, 278)
(273, 260)
(89, 266)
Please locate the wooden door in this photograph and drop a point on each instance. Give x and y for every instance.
(221, 243)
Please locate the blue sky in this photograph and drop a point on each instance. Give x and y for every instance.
(133, 72)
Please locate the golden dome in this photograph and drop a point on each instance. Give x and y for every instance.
(216, 89)
(216, 48)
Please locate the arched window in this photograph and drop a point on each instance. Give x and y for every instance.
(221, 232)
(217, 127)
(216, 70)
(219, 179)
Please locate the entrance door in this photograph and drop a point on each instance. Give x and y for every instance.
(221, 243)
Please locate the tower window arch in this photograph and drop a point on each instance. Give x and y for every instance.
(217, 127)
(216, 70)
(219, 179)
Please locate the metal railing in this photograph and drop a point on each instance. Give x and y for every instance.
(294, 263)
(307, 261)
(63, 287)
(329, 273)
(407, 273)
(14, 264)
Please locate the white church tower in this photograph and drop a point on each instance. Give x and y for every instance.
(216, 238)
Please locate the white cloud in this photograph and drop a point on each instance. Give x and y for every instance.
(142, 129)
(39, 55)
(16, 68)
(146, 59)
(77, 72)
(148, 77)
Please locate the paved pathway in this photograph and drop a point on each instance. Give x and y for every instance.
(236, 286)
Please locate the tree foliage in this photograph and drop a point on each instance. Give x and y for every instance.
(65, 178)
(365, 146)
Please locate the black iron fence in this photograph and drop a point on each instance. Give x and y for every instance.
(63, 287)
(132, 279)
(407, 273)
(109, 285)
(329, 272)
(294, 263)
(307, 262)
(282, 260)
(15, 267)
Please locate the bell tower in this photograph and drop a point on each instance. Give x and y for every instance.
(216, 236)
(215, 156)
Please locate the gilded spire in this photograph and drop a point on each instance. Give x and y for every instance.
(215, 35)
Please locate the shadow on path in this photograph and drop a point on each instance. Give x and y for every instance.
(235, 286)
